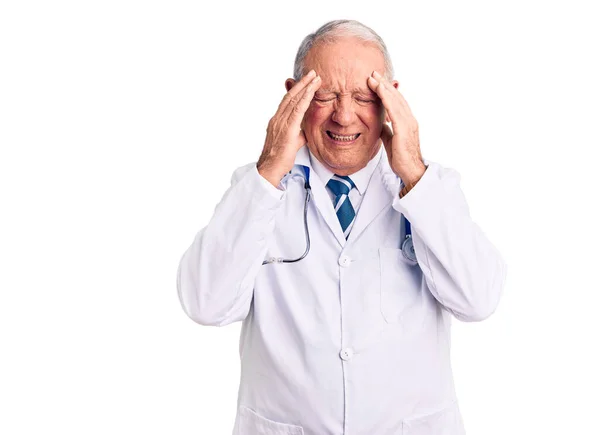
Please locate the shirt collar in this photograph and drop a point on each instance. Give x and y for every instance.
(360, 178)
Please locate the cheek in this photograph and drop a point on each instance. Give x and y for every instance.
(315, 116)
(378, 111)
(375, 112)
(373, 117)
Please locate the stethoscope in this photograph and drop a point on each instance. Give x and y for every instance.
(408, 249)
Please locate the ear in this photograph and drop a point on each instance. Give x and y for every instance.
(289, 84)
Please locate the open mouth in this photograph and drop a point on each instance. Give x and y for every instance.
(342, 138)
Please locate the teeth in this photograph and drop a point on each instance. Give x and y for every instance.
(343, 138)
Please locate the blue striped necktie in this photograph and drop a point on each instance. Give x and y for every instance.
(341, 186)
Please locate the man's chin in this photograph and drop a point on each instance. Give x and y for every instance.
(342, 165)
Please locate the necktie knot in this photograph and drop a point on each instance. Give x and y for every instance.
(340, 185)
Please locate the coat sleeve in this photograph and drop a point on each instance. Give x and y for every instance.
(216, 274)
(463, 270)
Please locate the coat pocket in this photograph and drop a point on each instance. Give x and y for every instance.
(401, 293)
(251, 423)
(445, 422)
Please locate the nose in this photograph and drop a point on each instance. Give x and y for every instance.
(343, 113)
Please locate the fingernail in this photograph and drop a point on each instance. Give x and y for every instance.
(376, 74)
(312, 73)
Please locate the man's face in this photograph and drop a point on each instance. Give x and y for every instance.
(344, 105)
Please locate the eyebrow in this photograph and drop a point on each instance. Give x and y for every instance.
(325, 91)
(353, 91)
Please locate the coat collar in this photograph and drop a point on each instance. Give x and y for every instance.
(381, 190)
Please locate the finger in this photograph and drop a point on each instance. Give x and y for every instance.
(403, 104)
(292, 102)
(392, 104)
(298, 105)
(379, 88)
(386, 91)
(301, 139)
(383, 80)
(296, 89)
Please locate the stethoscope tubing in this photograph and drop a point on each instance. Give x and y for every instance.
(407, 243)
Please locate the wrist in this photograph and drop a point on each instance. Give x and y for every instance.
(273, 177)
(413, 174)
(411, 180)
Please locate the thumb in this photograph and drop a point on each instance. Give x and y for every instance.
(386, 135)
(301, 140)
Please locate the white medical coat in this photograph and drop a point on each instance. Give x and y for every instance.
(353, 339)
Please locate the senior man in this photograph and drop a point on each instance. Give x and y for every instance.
(344, 262)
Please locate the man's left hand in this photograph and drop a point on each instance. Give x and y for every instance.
(401, 142)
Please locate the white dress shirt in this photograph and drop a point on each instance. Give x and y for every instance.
(360, 178)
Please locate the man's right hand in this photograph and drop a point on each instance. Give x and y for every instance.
(284, 134)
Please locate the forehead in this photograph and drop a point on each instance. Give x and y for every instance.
(345, 65)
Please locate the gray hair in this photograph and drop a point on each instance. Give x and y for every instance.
(332, 30)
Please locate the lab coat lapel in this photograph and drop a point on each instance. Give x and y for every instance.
(321, 198)
(383, 186)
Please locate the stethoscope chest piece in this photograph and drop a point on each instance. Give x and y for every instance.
(408, 249)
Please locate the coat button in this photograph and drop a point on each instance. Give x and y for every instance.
(344, 261)
(347, 354)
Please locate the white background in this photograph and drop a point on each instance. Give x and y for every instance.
(122, 121)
